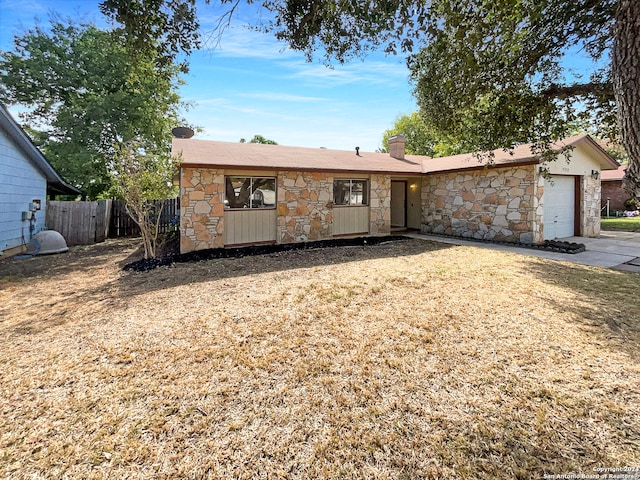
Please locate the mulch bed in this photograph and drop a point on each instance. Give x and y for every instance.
(168, 258)
(169, 255)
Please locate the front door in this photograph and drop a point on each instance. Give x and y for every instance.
(398, 204)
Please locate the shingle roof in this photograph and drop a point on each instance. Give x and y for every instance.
(610, 175)
(251, 155)
(255, 156)
(519, 155)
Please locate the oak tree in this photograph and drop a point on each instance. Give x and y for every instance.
(86, 93)
(421, 138)
(489, 70)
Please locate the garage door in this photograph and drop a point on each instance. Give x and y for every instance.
(559, 207)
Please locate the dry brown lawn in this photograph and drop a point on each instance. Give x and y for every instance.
(404, 360)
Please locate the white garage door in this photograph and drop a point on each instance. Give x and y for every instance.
(559, 207)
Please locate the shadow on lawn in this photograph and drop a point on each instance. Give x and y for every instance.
(203, 268)
(79, 257)
(108, 288)
(606, 300)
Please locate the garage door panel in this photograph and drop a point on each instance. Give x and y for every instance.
(559, 207)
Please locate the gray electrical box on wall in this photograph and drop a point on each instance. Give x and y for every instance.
(26, 216)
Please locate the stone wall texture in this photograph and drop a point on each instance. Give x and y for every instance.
(201, 209)
(305, 206)
(380, 205)
(498, 204)
(590, 207)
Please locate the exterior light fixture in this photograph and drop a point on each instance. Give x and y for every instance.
(595, 174)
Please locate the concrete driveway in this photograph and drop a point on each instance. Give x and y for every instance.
(620, 250)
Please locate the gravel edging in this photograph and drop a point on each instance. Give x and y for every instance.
(548, 245)
(238, 252)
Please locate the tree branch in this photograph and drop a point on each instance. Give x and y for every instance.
(561, 92)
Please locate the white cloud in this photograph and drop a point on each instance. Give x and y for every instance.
(368, 71)
(241, 42)
(282, 97)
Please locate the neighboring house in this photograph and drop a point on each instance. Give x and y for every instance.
(322, 194)
(26, 178)
(612, 189)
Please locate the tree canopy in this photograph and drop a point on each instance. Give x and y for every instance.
(492, 72)
(140, 177)
(422, 139)
(87, 95)
(262, 140)
(164, 28)
(486, 70)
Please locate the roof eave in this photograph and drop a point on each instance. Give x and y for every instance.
(518, 163)
(22, 140)
(297, 169)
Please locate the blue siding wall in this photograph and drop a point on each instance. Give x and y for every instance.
(20, 183)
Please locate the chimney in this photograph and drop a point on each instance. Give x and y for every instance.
(396, 146)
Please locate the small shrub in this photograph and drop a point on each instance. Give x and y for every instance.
(631, 204)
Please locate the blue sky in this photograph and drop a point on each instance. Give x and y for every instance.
(251, 84)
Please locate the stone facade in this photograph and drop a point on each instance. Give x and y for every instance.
(380, 205)
(201, 209)
(498, 203)
(491, 204)
(305, 206)
(590, 207)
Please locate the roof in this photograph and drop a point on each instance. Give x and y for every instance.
(205, 153)
(55, 183)
(521, 154)
(611, 175)
(252, 155)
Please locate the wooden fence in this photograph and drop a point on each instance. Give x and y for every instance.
(84, 223)
(122, 225)
(80, 223)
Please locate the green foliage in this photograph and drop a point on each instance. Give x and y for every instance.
(421, 139)
(86, 94)
(491, 71)
(487, 72)
(141, 175)
(161, 28)
(617, 151)
(262, 140)
(631, 204)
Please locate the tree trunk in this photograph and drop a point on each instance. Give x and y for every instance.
(626, 84)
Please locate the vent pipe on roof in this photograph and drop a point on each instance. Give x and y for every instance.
(358, 151)
(396, 146)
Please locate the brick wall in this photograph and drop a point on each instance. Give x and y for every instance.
(613, 190)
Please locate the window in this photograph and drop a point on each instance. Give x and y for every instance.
(250, 192)
(350, 192)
